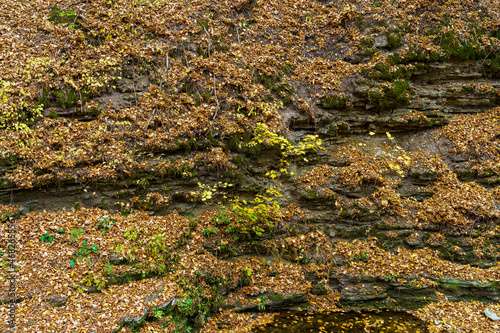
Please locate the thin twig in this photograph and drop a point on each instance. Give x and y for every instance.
(209, 42)
(185, 57)
(342, 37)
(152, 115)
(76, 18)
(217, 99)
(238, 34)
(470, 236)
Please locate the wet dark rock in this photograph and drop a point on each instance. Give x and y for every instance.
(273, 302)
(56, 300)
(363, 292)
(117, 260)
(415, 239)
(423, 176)
(130, 86)
(138, 321)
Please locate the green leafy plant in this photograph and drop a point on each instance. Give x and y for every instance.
(131, 252)
(389, 278)
(221, 218)
(105, 224)
(158, 314)
(261, 303)
(75, 233)
(143, 183)
(257, 216)
(92, 279)
(119, 248)
(194, 300)
(108, 269)
(47, 238)
(156, 244)
(59, 15)
(131, 234)
(208, 231)
(233, 229)
(84, 250)
(160, 266)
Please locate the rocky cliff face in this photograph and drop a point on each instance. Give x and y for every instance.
(248, 157)
(334, 208)
(435, 92)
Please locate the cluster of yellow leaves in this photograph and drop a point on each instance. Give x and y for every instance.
(264, 136)
(207, 192)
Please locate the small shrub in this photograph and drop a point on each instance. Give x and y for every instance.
(84, 250)
(105, 224)
(75, 233)
(207, 232)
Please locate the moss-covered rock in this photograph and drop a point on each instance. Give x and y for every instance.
(393, 38)
(334, 102)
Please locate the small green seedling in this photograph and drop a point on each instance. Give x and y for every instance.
(47, 238)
